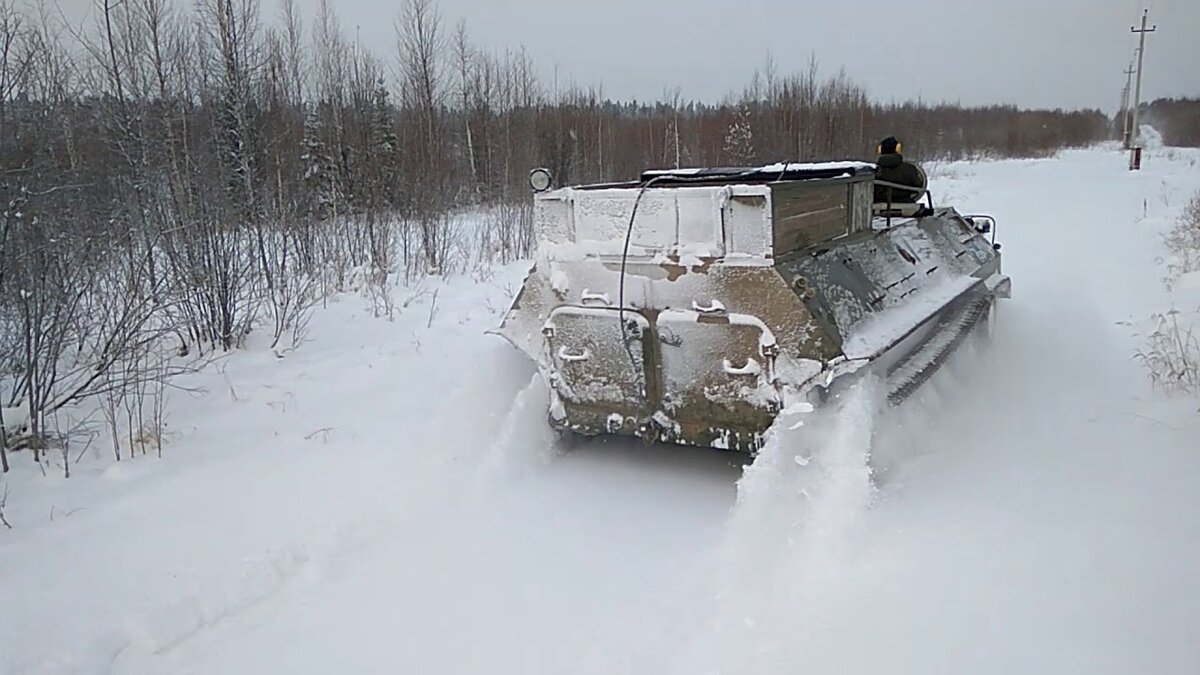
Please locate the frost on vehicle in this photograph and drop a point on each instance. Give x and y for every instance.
(692, 306)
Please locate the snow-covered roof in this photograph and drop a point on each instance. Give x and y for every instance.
(777, 171)
(722, 220)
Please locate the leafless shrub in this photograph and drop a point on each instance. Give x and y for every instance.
(432, 309)
(292, 294)
(4, 468)
(326, 434)
(412, 257)
(506, 232)
(460, 255)
(133, 401)
(382, 245)
(379, 292)
(1172, 353)
(439, 233)
(212, 278)
(3, 504)
(67, 432)
(1183, 242)
(416, 292)
(483, 273)
(111, 402)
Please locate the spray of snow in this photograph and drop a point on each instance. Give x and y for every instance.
(523, 441)
(1150, 138)
(806, 488)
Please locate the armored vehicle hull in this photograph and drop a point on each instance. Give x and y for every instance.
(692, 307)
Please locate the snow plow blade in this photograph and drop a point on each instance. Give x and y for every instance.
(692, 307)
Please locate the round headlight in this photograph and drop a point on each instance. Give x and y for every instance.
(540, 180)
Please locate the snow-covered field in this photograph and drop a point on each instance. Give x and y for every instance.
(385, 498)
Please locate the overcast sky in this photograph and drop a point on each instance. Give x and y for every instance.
(1035, 53)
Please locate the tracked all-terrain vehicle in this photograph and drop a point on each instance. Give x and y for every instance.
(690, 306)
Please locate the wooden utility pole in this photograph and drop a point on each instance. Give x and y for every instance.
(1126, 141)
(1135, 156)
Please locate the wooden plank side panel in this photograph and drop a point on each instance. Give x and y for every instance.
(861, 195)
(806, 214)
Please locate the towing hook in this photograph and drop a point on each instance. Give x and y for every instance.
(649, 432)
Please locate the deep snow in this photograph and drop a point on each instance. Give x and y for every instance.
(386, 499)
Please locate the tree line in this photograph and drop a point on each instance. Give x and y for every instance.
(175, 176)
(1177, 119)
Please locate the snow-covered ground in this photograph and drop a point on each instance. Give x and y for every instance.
(385, 498)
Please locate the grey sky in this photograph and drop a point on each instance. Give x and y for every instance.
(1043, 53)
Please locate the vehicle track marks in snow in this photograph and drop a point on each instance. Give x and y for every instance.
(138, 640)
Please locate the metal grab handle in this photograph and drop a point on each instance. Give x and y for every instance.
(586, 296)
(564, 355)
(714, 308)
(751, 367)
